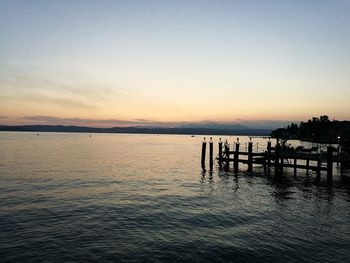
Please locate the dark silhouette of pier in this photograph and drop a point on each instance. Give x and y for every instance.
(279, 156)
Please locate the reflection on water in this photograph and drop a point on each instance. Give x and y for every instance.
(114, 197)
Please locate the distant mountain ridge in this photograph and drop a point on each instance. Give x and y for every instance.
(199, 130)
(213, 125)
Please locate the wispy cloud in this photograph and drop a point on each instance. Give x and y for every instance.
(29, 85)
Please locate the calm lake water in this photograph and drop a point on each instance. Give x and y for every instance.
(143, 198)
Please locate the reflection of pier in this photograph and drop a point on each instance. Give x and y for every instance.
(279, 157)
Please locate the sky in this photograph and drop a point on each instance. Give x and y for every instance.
(126, 63)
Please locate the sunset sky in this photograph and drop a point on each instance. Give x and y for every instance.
(116, 63)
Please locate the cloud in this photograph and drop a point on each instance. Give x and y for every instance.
(51, 100)
(144, 120)
(64, 90)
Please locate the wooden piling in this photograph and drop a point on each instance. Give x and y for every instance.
(281, 165)
(269, 153)
(204, 147)
(329, 163)
(250, 156)
(227, 155)
(307, 166)
(220, 153)
(277, 158)
(211, 157)
(236, 157)
(295, 165)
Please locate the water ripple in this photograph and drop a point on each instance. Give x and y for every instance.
(117, 202)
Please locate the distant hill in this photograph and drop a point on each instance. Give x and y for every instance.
(213, 125)
(234, 130)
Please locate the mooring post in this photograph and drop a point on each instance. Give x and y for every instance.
(329, 163)
(307, 166)
(204, 147)
(282, 159)
(211, 157)
(250, 156)
(269, 153)
(227, 154)
(277, 158)
(295, 165)
(220, 153)
(236, 157)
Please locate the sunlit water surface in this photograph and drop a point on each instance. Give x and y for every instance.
(143, 198)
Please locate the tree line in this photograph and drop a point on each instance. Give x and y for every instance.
(317, 129)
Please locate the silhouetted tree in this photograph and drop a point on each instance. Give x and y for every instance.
(316, 129)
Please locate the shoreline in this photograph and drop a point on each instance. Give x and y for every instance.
(136, 130)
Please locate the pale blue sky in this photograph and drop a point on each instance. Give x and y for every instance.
(174, 60)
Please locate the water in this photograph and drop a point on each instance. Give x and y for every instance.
(143, 198)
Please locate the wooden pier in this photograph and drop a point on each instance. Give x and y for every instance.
(230, 156)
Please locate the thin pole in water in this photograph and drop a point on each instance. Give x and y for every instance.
(220, 153)
(204, 147)
(211, 157)
(250, 156)
(236, 157)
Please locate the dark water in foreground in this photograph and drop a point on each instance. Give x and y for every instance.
(142, 198)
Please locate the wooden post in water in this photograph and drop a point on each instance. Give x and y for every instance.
(269, 153)
(211, 157)
(282, 159)
(329, 163)
(227, 153)
(236, 157)
(250, 156)
(220, 153)
(277, 158)
(295, 165)
(307, 166)
(204, 147)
